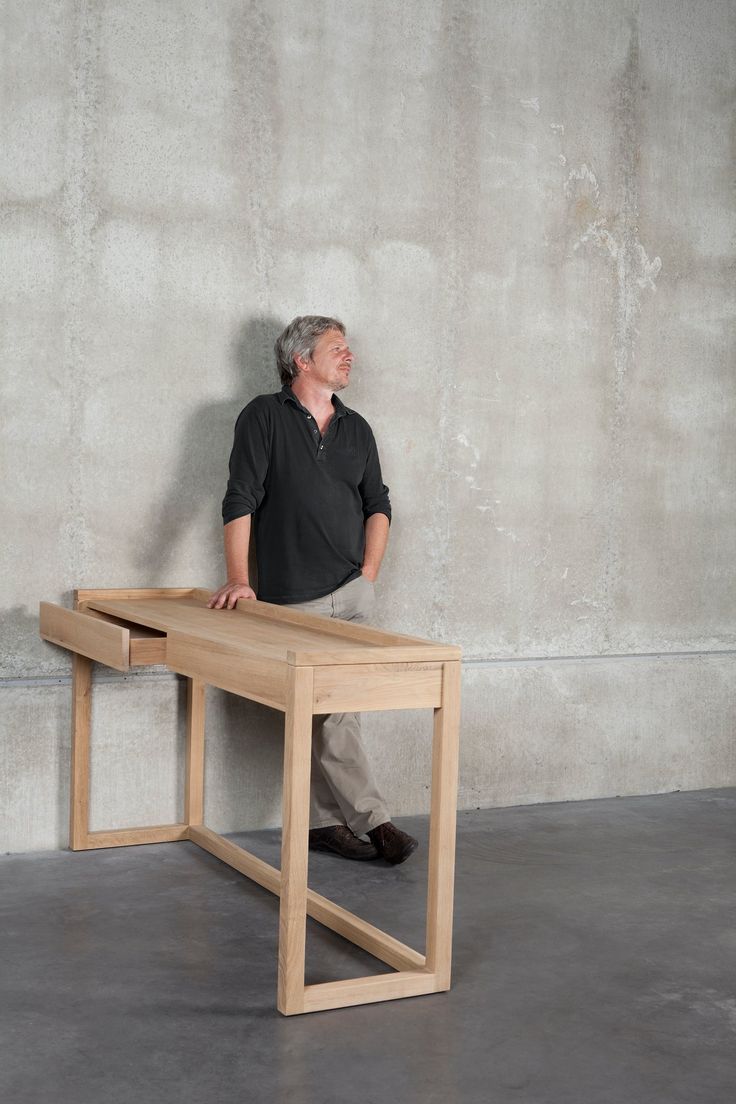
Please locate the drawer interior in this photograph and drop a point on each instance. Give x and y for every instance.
(147, 646)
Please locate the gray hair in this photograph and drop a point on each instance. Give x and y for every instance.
(299, 339)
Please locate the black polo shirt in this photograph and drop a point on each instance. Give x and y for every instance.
(310, 495)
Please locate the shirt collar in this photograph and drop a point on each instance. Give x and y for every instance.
(287, 395)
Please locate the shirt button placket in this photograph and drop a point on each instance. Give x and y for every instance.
(315, 431)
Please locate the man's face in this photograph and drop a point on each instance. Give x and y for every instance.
(331, 361)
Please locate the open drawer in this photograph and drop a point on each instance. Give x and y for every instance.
(102, 637)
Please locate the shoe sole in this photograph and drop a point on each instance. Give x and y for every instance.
(341, 854)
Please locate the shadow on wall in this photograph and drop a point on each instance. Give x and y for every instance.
(197, 487)
(19, 639)
(200, 472)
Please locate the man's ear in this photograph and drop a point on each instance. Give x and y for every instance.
(301, 362)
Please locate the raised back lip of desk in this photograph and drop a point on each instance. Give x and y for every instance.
(289, 636)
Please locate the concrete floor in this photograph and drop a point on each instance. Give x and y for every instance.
(595, 963)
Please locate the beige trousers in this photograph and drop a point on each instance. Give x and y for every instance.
(343, 789)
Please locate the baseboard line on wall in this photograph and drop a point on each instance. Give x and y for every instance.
(510, 661)
(99, 677)
(518, 661)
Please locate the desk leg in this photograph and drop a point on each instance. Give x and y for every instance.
(295, 839)
(443, 818)
(79, 781)
(194, 783)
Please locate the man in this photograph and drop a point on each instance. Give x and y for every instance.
(305, 478)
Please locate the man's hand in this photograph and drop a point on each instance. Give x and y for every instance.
(227, 596)
(369, 573)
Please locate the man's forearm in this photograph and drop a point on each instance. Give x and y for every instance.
(237, 544)
(376, 539)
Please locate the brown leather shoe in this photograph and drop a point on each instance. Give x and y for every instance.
(338, 839)
(392, 844)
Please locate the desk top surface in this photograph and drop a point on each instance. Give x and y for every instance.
(274, 632)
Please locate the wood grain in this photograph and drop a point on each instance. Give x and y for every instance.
(147, 646)
(134, 837)
(145, 651)
(229, 667)
(333, 626)
(194, 775)
(376, 942)
(326, 912)
(237, 857)
(442, 826)
(299, 638)
(87, 636)
(407, 653)
(367, 990)
(128, 593)
(365, 687)
(79, 779)
(294, 839)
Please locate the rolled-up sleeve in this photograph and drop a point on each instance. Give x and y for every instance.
(248, 464)
(373, 490)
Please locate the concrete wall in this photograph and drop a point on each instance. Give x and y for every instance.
(523, 212)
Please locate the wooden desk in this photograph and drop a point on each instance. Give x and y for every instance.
(302, 665)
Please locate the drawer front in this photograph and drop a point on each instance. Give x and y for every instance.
(359, 687)
(89, 636)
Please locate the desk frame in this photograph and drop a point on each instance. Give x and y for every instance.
(414, 973)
